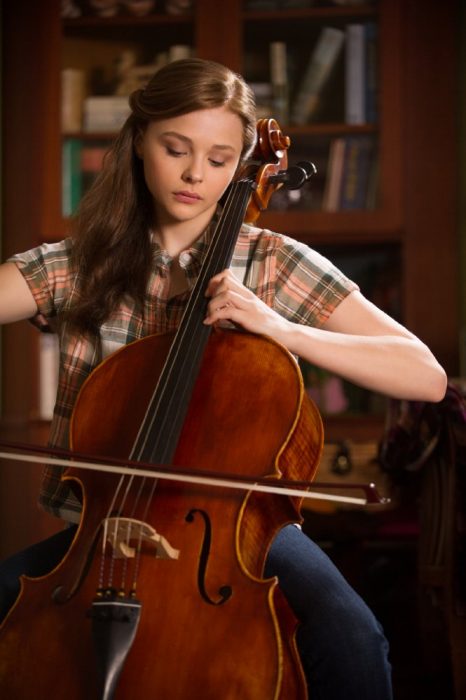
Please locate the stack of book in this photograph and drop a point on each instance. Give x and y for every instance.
(105, 114)
(321, 63)
(351, 174)
(354, 48)
(81, 163)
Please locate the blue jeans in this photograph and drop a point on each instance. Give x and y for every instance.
(342, 646)
(343, 650)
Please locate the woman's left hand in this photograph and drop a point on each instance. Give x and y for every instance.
(232, 301)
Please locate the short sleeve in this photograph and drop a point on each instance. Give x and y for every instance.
(308, 286)
(298, 282)
(48, 274)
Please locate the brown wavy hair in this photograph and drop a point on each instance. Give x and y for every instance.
(112, 249)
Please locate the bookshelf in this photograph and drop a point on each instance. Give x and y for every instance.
(415, 214)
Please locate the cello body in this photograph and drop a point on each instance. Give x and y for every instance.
(210, 625)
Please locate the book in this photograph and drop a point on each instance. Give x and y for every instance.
(279, 81)
(178, 51)
(357, 168)
(48, 374)
(105, 113)
(73, 88)
(263, 97)
(372, 197)
(92, 157)
(321, 62)
(371, 73)
(355, 74)
(331, 198)
(71, 175)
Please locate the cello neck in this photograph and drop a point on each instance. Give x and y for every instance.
(158, 436)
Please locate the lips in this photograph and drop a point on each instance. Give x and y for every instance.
(187, 197)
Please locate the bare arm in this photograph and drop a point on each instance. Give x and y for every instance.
(359, 341)
(16, 299)
(363, 344)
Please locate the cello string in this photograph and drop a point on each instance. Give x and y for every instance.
(105, 543)
(138, 484)
(114, 542)
(220, 252)
(216, 252)
(186, 360)
(158, 407)
(117, 532)
(137, 562)
(155, 416)
(220, 248)
(155, 408)
(127, 478)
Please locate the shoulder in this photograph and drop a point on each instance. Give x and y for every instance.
(287, 251)
(299, 282)
(262, 240)
(48, 254)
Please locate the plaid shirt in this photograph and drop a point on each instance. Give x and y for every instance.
(296, 281)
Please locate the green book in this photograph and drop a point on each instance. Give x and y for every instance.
(71, 175)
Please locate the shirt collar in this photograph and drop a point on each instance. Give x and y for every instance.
(191, 258)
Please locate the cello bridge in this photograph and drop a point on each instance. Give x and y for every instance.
(126, 535)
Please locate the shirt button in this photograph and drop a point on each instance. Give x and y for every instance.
(185, 259)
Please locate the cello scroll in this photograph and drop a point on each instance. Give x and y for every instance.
(271, 152)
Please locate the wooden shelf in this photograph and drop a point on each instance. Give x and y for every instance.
(124, 20)
(414, 134)
(416, 137)
(354, 226)
(326, 13)
(333, 129)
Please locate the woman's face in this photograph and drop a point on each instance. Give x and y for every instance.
(188, 163)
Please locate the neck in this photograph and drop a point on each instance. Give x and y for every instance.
(176, 236)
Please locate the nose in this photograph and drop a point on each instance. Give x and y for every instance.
(193, 172)
(192, 176)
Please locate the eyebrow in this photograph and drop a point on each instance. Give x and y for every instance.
(186, 139)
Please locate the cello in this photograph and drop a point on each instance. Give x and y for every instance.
(161, 593)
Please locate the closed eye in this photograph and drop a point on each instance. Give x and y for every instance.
(217, 163)
(174, 153)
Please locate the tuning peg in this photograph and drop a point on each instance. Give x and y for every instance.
(295, 177)
(308, 167)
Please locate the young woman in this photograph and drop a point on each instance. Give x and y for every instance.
(126, 272)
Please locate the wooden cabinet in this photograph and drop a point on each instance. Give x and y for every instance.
(415, 134)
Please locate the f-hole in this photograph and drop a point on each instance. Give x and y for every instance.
(224, 592)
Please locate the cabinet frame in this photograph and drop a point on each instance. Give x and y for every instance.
(417, 136)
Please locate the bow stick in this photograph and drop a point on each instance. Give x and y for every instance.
(284, 487)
